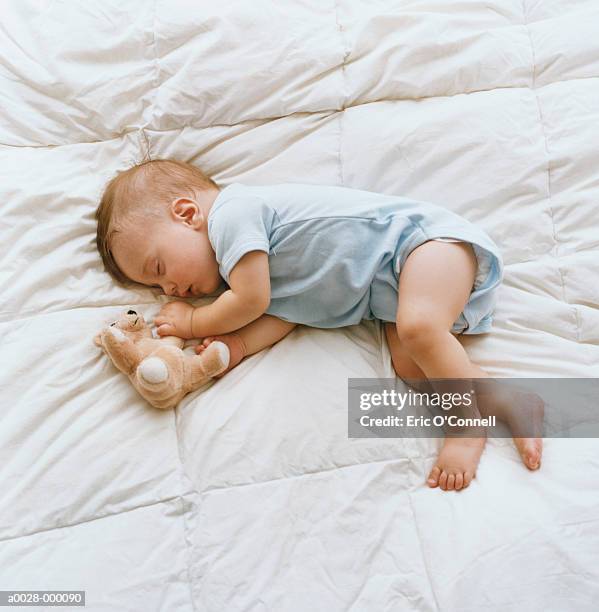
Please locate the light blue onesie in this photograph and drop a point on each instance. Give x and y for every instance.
(335, 253)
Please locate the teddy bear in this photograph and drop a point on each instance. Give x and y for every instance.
(161, 370)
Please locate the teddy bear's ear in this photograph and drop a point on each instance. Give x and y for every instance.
(98, 339)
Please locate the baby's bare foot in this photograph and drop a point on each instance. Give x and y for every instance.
(523, 413)
(237, 350)
(526, 419)
(456, 464)
(530, 450)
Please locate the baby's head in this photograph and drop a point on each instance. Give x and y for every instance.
(152, 228)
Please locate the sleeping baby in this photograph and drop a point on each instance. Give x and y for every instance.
(314, 255)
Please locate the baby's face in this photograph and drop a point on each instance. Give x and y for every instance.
(169, 254)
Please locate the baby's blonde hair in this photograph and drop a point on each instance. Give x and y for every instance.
(139, 194)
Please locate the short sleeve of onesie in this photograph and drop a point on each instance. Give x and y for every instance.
(238, 226)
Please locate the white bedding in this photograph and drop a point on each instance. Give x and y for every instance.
(250, 496)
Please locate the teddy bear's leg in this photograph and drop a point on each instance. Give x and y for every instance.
(153, 370)
(208, 364)
(121, 350)
(160, 377)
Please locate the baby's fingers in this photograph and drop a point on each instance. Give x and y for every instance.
(166, 329)
(205, 343)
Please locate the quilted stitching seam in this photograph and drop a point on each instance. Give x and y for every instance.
(549, 197)
(325, 112)
(97, 517)
(156, 67)
(340, 114)
(186, 508)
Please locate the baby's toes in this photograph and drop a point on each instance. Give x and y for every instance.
(433, 477)
(443, 480)
(450, 482)
(533, 458)
(468, 476)
(459, 481)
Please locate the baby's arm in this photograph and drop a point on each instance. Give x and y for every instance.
(245, 301)
(259, 334)
(263, 332)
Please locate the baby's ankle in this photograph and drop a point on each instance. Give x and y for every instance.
(236, 346)
(235, 337)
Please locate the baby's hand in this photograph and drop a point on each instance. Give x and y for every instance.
(174, 319)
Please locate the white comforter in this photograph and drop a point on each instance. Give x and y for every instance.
(250, 496)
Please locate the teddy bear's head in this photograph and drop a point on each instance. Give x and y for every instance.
(131, 323)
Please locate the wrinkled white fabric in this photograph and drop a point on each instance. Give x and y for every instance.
(250, 496)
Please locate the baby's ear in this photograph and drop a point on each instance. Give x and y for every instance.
(188, 211)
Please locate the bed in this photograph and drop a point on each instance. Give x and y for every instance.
(250, 495)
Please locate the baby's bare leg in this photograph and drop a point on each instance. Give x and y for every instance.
(492, 400)
(252, 338)
(435, 284)
(405, 367)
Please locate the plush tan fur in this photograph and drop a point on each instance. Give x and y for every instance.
(158, 367)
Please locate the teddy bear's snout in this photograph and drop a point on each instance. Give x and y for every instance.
(137, 317)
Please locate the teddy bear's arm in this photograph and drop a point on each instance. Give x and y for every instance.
(122, 351)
